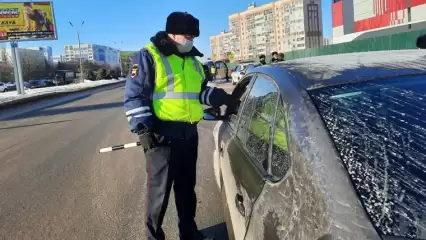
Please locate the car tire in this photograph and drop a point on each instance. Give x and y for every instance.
(5, 90)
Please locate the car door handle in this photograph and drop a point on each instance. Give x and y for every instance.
(239, 203)
(221, 149)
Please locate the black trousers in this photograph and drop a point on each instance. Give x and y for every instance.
(173, 164)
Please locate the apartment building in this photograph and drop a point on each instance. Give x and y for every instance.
(221, 45)
(327, 41)
(93, 53)
(59, 58)
(282, 25)
(47, 52)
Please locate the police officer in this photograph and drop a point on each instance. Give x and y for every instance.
(281, 57)
(274, 58)
(213, 71)
(164, 94)
(262, 59)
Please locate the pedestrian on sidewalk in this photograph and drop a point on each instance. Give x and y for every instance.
(163, 100)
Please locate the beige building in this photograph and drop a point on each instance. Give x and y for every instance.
(282, 25)
(220, 45)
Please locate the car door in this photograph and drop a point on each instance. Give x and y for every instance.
(236, 73)
(246, 152)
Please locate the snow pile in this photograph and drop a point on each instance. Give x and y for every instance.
(13, 95)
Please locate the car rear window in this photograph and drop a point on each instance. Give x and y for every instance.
(379, 129)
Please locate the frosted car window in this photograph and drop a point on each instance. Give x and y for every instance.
(280, 162)
(257, 119)
(379, 129)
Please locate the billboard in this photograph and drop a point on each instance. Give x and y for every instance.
(27, 21)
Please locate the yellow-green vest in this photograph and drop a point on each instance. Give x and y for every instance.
(177, 87)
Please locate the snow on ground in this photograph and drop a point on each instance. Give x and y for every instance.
(13, 95)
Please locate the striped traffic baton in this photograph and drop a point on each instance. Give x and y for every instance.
(119, 147)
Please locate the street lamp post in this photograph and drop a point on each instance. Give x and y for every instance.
(119, 59)
(79, 48)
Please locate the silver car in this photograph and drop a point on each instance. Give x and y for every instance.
(330, 147)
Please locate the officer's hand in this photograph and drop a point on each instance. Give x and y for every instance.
(232, 104)
(161, 140)
(147, 141)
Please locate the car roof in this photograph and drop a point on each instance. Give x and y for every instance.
(247, 63)
(322, 71)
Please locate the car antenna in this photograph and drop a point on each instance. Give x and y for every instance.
(421, 42)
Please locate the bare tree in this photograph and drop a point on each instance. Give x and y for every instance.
(33, 66)
(6, 69)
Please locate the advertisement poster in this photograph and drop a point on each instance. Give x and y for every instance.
(27, 21)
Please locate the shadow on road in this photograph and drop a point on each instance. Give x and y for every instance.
(65, 110)
(31, 125)
(36, 107)
(217, 231)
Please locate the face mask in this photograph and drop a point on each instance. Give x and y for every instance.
(185, 47)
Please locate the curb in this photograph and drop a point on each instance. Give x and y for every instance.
(22, 101)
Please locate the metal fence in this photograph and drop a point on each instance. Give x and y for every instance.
(398, 41)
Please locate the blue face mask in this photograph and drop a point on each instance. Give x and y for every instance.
(186, 46)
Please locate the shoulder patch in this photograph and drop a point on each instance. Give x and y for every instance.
(135, 70)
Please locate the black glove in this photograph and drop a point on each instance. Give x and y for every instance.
(147, 141)
(232, 104)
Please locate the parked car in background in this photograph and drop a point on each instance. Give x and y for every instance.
(3, 87)
(47, 82)
(240, 70)
(11, 86)
(328, 147)
(64, 77)
(36, 84)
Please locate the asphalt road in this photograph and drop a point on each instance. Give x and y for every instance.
(55, 185)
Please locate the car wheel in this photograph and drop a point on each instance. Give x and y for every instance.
(5, 90)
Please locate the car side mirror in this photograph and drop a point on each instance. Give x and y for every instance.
(213, 114)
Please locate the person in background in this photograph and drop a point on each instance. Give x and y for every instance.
(281, 57)
(226, 72)
(207, 72)
(163, 99)
(213, 72)
(262, 59)
(421, 42)
(274, 57)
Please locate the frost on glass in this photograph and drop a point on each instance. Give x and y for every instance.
(280, 162)
(379, 129)
(256, 120)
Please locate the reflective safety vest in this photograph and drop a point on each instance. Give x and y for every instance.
(177, 87)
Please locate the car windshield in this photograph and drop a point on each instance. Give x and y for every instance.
(379, 129)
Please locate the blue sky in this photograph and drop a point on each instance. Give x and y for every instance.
(135, 21)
